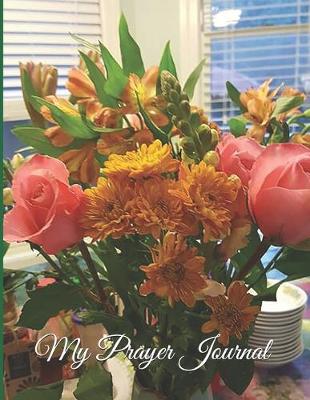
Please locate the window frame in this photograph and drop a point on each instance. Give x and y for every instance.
(15, 110)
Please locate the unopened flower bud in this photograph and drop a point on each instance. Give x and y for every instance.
(184, 96)
(205, 136)
(188, 146)
(215, 138)
(211, 158)
(7, 197)
(172, 109)
(186, 108)
(17, 161)
(175, 120)
(174, 96)
(185, 127)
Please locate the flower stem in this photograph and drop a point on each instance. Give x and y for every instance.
(256, 256)
(92, 269)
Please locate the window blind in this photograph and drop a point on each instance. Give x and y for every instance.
(248, 41)
(38, 30)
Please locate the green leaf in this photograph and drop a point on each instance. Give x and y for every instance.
(28, 89)
(237, 374)
(47, 302)
(237, 125)
(35, 138)
(99, 80)
(113, 323)
(94, 384)
(244, 254)
(284, 104)
(157, 132)
(47, 392)
(192, 80)
(5, 247)
(234, 95)
(167, 62)
(116, 79)
(140, 393)
(72, 124)
(294, 263)
(130, 51)
(85, 43)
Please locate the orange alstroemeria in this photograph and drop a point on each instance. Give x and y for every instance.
(123, 141)
(259, 104)
(301, 139)
(176, 272)
(290, 92)
(232, 314)
(82, 163)
(145, 89)
(79, 84)
(106, 117)
(57, 136)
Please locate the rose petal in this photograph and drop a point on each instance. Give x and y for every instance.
(283, 215)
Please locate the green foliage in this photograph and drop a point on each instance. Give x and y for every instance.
(94, 384)
(237, 125)
(192, 80)
(47, 392)
(72, 124)
(237, 374)
(294, 263)
(35, 138)
(157, 132)
(234, 95)
(167, 62)
(116, 79)
(13, 279)
(47, 302)
(284, 104)
(5, 247)
(99, 80)
(113, 323)
(130, 51)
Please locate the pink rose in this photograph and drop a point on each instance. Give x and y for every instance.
(46, 207)
(279, 193)
(237, 156)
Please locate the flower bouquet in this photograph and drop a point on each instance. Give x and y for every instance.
(154, 221)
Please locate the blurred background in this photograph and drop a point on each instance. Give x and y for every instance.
(244, 41)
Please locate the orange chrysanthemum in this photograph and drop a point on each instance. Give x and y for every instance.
(154, 210)
(176, 272)
(231, 314)
(152, 160)
(82, 163)
(105, 214)
(208, 194)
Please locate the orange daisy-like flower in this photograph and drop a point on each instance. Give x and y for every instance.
(231, 314)
(154, 210)
(82, 163)
(105, 210)
(176, 272)
(208, 194)
(147, 161)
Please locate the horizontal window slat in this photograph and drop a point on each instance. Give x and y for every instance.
(49, 6)
(53, 60)
(75, 18)
(51, 28)
(29, 38)
(55, 49)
